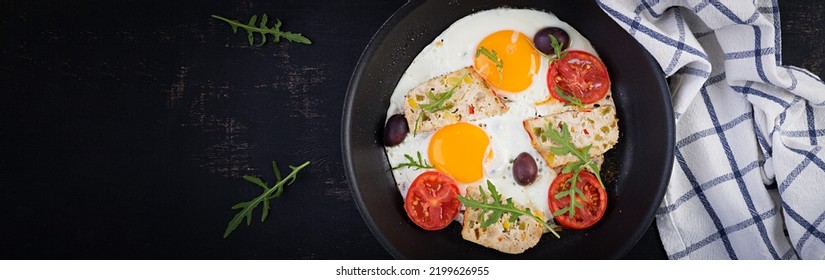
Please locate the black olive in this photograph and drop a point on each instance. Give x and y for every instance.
(396, 130)
(543, 42)
(525, 169)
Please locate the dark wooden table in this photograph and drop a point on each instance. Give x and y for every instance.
(126, 127)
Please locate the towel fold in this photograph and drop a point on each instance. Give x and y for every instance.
(748, 179)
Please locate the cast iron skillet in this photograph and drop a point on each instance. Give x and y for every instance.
(636, 170)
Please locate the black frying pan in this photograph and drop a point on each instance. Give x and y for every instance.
(636, 171)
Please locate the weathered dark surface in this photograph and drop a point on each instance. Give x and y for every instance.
(126, 127)
(803, 34)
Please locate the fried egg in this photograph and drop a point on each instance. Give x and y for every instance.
(476, 151)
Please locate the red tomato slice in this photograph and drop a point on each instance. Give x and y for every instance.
(580, 74)
(594, 206)
(431, 201)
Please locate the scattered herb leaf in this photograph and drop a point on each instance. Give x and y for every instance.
(571, 100)
(565, 141)
(566, 146)
(572, 192)
(415, 129)
(412, 163)
(263, 30)
(497, 208)
(439, 99)
(556, 49)
(268, 193)
(493, 56)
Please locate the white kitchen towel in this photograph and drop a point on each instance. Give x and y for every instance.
(748, 179)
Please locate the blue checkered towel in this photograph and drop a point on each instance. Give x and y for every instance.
(749, 177)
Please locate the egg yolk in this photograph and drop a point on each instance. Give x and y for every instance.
(459, 150)
(507, 60)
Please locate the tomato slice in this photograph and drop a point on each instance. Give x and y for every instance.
(431, 201)
(594, 206)
(580, 74)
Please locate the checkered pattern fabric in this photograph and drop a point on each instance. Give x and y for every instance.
(749, 176)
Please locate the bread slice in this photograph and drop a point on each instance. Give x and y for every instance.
(598, 126)
(471, 100)
(511, 238)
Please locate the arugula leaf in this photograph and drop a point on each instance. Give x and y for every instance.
(556, 49)
(262, 29)
(411, 163)
(572, 192)
(493, 56)
(571, 100)
(497, 208)
(268, 193)
(438, 100)
(415, 129)
(559, 54)
(565, 141)
(566, 146)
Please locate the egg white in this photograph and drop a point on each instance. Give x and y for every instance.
(454, 49)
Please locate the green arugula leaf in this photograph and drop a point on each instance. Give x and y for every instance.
(566, 146)
(256, 181)
(565, 141)
(269, 193)
(493, 56)
(572, 167)
(556, 49)
(596, 171)
(263, 30)
(415, 129)
(412, 163)
(571, 192)
(571, 100)
(276, 171)
(438, 100)
(497, 209)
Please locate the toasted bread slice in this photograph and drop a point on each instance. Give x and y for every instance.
(598, 126)
(511, 238)
(472, 99)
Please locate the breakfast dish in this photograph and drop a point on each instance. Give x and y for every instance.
(505, 236)
(501, 124)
